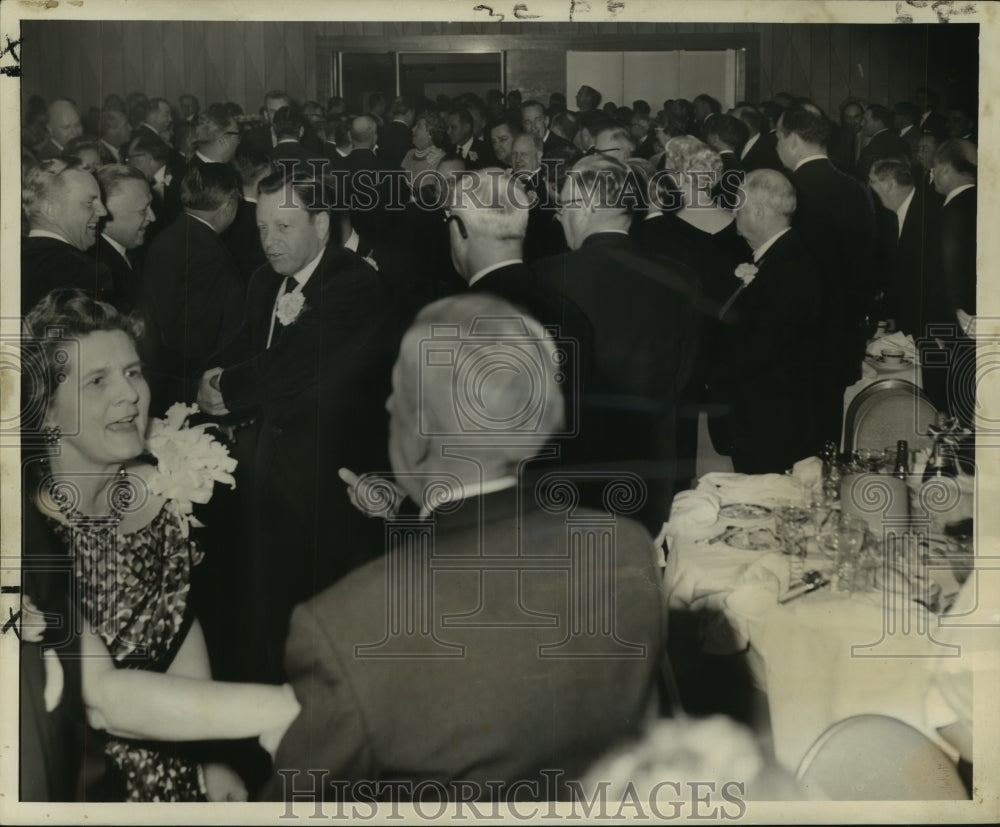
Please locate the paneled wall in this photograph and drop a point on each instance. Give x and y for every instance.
(240, 61)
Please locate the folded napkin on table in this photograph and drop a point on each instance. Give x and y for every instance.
(894, 341)
(693, 515)
(759, 489)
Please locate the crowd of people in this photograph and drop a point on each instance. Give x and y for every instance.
(286, 280)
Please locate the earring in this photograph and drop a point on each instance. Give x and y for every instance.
(52, 435)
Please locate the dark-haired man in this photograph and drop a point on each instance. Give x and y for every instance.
(128, 199)
(835, 219)
(587, 99)
(904, 120)
(115, 134)
(882, 140)
(535, 121)
(465, 144)
(396, 139)
(194, 293)
(151, 156)
(63, 125)
(216, 137)
(760, 150)
(311, 362)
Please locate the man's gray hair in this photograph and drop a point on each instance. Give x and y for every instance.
(773, 189)
(42, 184)
(495, 327)
(491, 203)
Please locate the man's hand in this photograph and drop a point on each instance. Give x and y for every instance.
(372, 496)
(209, 396)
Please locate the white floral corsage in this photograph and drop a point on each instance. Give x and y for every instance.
(290, 307)
(746, 272)
(473, 156)
(189, 462)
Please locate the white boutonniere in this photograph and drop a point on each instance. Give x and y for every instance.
(746, 273)
(189, 461)
(290, 307)
(473, 156)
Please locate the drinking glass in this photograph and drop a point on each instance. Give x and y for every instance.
(794, 526)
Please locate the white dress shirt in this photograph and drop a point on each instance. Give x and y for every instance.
(956, 191)
(767, 245)
(903, 208)
(302, 277)
(748, 146)
(486, 270)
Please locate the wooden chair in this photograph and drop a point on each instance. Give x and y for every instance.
(877, 758)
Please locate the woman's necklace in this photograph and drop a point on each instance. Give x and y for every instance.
(65, 497)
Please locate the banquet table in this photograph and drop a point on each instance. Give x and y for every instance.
(819, 658)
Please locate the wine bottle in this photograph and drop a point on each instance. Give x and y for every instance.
(902, 467)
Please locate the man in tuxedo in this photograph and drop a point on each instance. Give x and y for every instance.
(157, 119)
(396, 139)
(706, 109)
(641, 132)
(960, 123)
(846, 140)
(765, 370)
(242, 238)
(194, 293)
(544, 237)
(760, 150)
(216, 137)
(62, 204)
(464, 143)
(931, 120)
(151, 156)
(535, 121)
(364, 136)
(954, 175)
(645, 329)
(63, 125)
(337, 146)
(289, 125)
(905, 116)
(909, 224)
(311, 363)
(835, 220)
(533, 706)
(726, 135)
(263, 137)
(129, 202)
(115, 134)
(881, 140)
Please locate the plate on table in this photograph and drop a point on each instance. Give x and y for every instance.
(744, 512)
(882, 366)
(746, 538)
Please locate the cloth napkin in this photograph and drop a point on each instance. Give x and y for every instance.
(894, 341)
(693, 515)
(759, 489)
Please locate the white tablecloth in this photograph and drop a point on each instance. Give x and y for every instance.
(810, 655)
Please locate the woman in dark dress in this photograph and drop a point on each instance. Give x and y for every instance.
(700, 233)
(114, 553)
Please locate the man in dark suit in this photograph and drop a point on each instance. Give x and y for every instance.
(544, 237)
(115, 135)
(531, 700)
(311, 363)
(726, 135)
(63, 125)
(882, 140)
(706, 108)
(835, 220)
(905, 116)
(909, 236)
(151, 156)
(846, 141)
(645, 329)
(767, 347)
(194, 293)
(931, 120)
(63, 206)
(263, 137)
(128, 200)
(157, 121)
(396, 138)
(535, 121)
(289, 125)
(760, 150)
(502, 135)
(954, 175)
(464, 143)
(243, 238)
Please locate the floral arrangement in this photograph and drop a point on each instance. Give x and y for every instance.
(290, 306)
(746, 273)
(189, 461)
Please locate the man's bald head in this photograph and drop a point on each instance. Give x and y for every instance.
(364, 132)
(64, 121)
(768, 205)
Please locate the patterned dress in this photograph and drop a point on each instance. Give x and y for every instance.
(133, 589)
